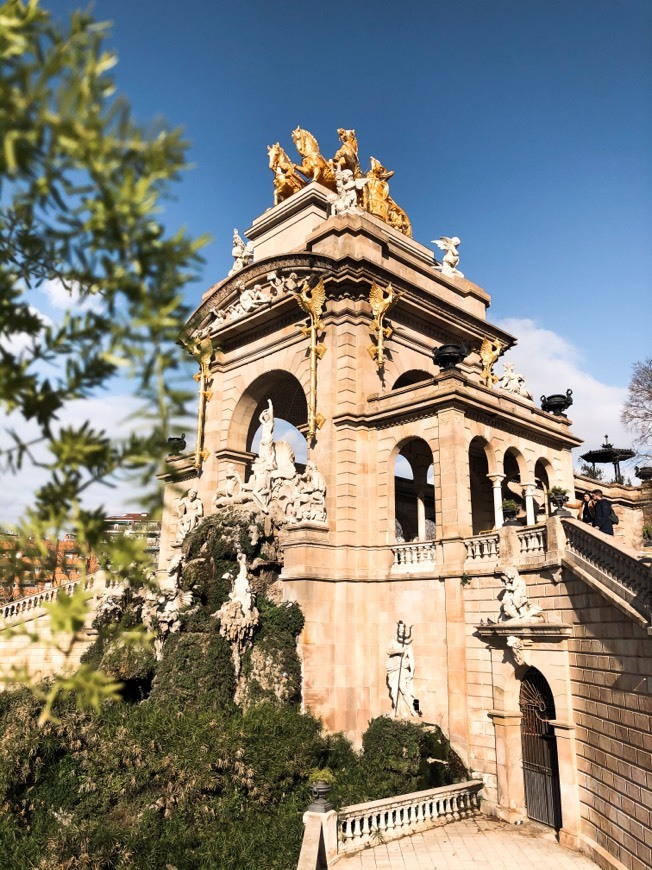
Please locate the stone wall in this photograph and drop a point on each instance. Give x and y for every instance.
(611, 696)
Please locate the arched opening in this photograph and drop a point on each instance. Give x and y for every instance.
(289, 410)
(414, 496)
(482, 504)
(539, 746)
(542, 476)
(414, 376)
(514, 471)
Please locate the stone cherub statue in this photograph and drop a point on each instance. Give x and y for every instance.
(451, 257)
(346, 198)
(513, 382)
(515, 604)
(242, 253)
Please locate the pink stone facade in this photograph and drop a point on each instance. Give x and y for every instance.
(436, 563)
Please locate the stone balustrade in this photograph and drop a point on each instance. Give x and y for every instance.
(390, 818)
(482, 548)
(16, 610)
(532, 540)
(623, 573)
(415, 555)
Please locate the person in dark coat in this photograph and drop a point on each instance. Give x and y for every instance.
(587, 509)
(602, 519)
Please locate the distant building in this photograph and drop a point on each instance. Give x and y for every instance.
(138, 525)
(27, 570)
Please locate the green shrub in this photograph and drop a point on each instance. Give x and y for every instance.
(196, 669)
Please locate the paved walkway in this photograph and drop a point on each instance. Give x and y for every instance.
(472, 844)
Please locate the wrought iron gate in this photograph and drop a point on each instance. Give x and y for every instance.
(540, 766)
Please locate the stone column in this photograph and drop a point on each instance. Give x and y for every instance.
(421, 517)
(496, 481)
(528, 492)
(509, 769)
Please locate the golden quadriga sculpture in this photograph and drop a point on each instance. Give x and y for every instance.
(373, 195)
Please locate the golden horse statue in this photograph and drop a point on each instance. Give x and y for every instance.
(378, 201)
(346, 156)
(286, 179)
(313, 166)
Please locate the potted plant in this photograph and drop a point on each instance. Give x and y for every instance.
(558, 496)
(510, 508)
(321, 780)
(647, 536)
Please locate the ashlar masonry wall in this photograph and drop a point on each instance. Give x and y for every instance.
(610, 684)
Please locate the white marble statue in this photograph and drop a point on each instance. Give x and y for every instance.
(266, 451)
(189, 510)
(274, 486)
(515, 604)
(310, 499)
(239, 616)
(241, 589)
(241, 252)
(346, 198)
(513, 382)
(451, 257)
(400, 673)
(161, 613)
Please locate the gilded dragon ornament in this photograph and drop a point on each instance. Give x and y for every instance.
(311, 300)
(381, 301)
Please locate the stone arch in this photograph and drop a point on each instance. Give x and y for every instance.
(289, 400)
(410, 378)
(516, 473)
(482, 462)
(543, 479)
(414, 501)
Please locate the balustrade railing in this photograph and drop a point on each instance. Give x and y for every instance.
(532, 540)
(621, 571)
(415, 554)
(482, 548)
(14, 610)
(389, 818)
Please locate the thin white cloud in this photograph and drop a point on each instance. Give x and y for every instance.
(62, 299)
(551, 364)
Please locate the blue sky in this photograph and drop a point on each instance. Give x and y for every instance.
(522, 126)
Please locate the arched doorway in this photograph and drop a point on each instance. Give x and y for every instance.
(539, 745)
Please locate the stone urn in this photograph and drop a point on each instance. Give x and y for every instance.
(318, 792)
(644, 474)
(448, 356)
(558, 500)
(557, 403)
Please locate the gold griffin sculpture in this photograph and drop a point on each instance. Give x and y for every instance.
(311, 300)
(381, 301)
(489, 353)
(373, 196)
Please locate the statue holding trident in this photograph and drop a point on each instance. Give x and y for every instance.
(400, 673)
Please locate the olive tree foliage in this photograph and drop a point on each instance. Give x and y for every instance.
(637, 411)
(81, 187)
